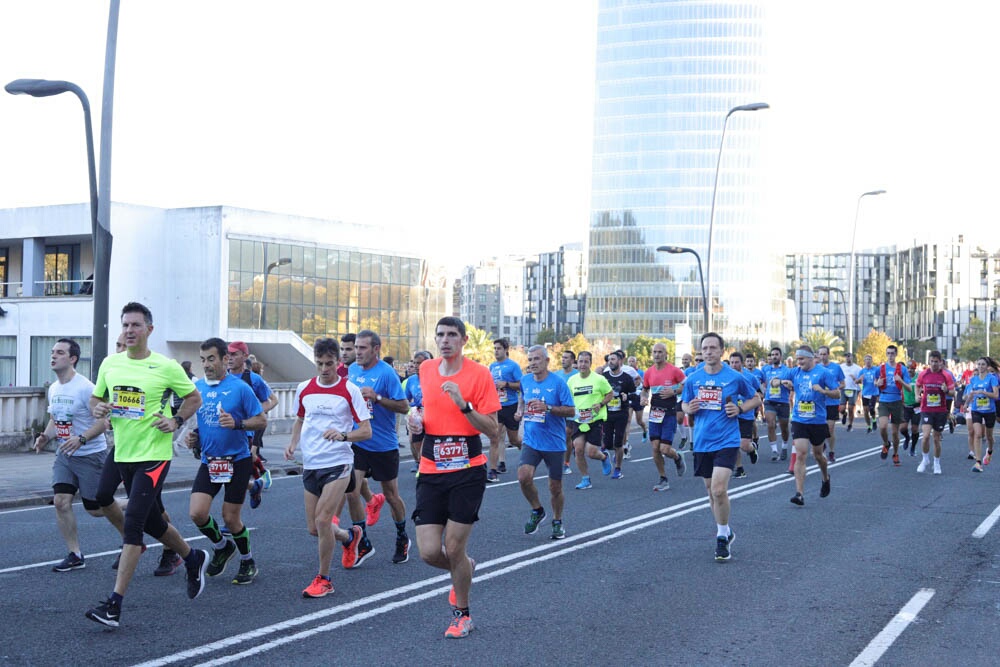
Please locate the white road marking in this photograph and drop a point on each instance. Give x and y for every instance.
(883, 640)
(985, 526)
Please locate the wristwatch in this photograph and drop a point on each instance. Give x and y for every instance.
(83, 439)
(378, 398)
(467, 409)
(178, 420)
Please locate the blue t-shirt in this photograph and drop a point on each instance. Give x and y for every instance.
(506, 371)
(778, 393)
(890, 393)
(384, 380)
(414, 394)
(810, 405)
(867, 377)
(234, 396)
(835, 371)
(260, 388)
(752, 379)
(564, 375)
(543, 430)
(980, 403)
(692, 369)
(713, 430)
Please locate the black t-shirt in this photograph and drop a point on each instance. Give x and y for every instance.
(623, 386)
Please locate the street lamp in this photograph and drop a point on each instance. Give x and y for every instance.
(824, 288)
(756, 106)
(263, 297)
(850, 269)
(100, 234)
(678, 250)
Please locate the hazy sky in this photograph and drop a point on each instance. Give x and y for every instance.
(473, 121)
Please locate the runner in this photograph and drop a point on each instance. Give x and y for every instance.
(507, 377)
(745, 419)
(750, 364)
(229, 410)
(910, 428)
(80, 450)
(134, 390)
(832, 409)
(591, 395)
(238, 365)
(776, 402)
(662, 383)
(849, 394)
(548, 403)
(634, 406)
(869, 392)
(416, 399)
(330, 413)
(815, 389)
(711, 394)
(934, 386)
(568, 370)
(378, 456)
(981, 394)
(460, 403)
(617, 422)
(890, 380)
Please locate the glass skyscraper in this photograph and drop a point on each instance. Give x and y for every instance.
(667, 73)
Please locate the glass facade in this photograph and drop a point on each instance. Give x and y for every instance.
(667, 74)
(330, 291)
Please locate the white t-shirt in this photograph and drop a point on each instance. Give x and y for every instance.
(850, 370)
(323, 407)
(69, 405)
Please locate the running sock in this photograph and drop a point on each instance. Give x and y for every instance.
(212, 532)
(242, 540)
(400, 528)
(722, 530)
(363, 525)
(116, 599)
(463, 610)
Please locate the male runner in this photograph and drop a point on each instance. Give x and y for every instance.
(616, 425)
(662, 383)
(712, 394)
(229, 410)
(776, 406)
(815, 388)
(591, 395)
(890, 380)
(832, 409)
(415, 396)
(347, 354)
(869, 392)
(750, 364)
(134, 390)
(378, 456)
(460, 403)
(746, 419)
(849, 395)
(568, 362)
(547, 403)
(507, 377)
(934, 386)
(634, 406)
(330, 414)
(911, 413)
(238, 357)
(80, 450)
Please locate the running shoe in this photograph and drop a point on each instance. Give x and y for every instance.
(584, 484)
(784, 453)
(70, 562)
(923, 466)
(365, 551)
(824, 489)
(617, 474)
(662, 485)
(774, 456)
(722, 549)
(843, 418)
(196, 573)
(267, 479)
(373, 510)
(114, 565)
(492, 477)
(732, 538)
(739, 473)
(797, 499)
(884, 454)
(402, 550)
(895, 460)
(502, 467)
(971, 456)
(535, 519)
(977, 467)
(937, 467)
(988, 457)
(452, 600)
(913, 448)
(256, 489)
(607, 464)
(627, 451)
(247, 573)
(753, 454)
(558, 532)
(681, 466)
(831, 457)
(850, 427)
(567, 470)
(220, 559)
(350, 556)
(645, 436)
(951, 426)
(319, 587)
(461, 625)
(869, 430)
(169, 562)
(107, 613)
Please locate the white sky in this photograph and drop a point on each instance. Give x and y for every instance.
(461, 116)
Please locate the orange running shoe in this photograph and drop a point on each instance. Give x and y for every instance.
(318, 588)
(374, 509)
(461, 626)
(350, 557)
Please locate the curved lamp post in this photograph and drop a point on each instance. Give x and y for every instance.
(678, 250)
(263, 296)
(850, 269)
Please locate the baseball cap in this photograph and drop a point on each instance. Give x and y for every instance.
(239, 346)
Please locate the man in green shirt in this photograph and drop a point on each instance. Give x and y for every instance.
(134, 389)
(591, 395)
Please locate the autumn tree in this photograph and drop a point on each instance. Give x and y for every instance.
(874, 344)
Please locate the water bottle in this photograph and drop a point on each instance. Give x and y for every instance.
(415, 421)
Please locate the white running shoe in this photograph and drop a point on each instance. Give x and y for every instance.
(937, 467)
(923, 466)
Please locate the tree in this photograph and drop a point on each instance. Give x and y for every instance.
(973, 341)
(577, 343)
(544, 336)
(642, 349)
(874, 344)
(821, 337)
(479, 347)
(754, 349)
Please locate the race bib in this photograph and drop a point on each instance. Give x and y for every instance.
(615, 405)
(933, 400)
(710, 398)
(536, 416)
(774, 391)
(584, 416)
(64, 429)
(502, 394)
(848, 393)
(220, 471)
(128, 403)
(656, 415)
(451, 454)
(982, 402)
(807, 409)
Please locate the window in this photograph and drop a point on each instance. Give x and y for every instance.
(41, 354)
(62, 269)
(8, 360)
(3, 271)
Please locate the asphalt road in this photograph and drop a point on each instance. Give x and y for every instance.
(635, 582)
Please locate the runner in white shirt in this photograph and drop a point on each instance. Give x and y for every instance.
(852, 389)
